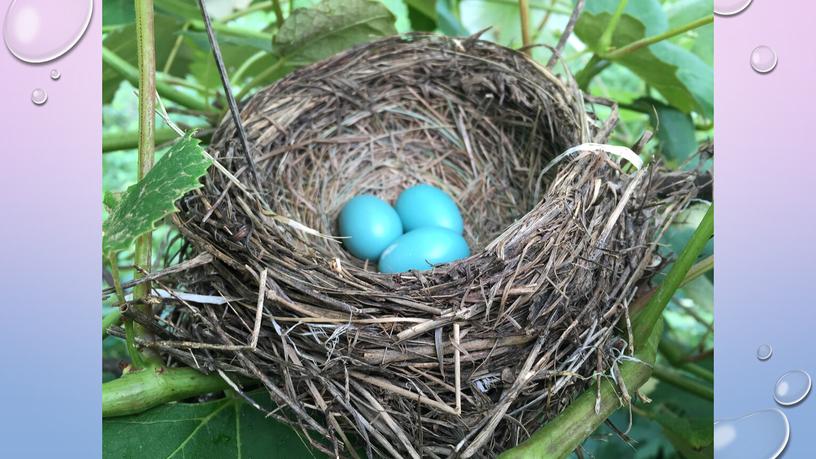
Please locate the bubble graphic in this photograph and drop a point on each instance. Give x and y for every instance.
(55, 74)
(39, 96)
(764, 352)
(40, 30)
(759, 434)
(730, 7)
(792, 387)
(763, 59)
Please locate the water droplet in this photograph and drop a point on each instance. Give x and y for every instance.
(792, 387)
(764, 352)
(763, 59)
(759, 434)
(36, 31)
(730, 7)
(39, 96)
(55, 74)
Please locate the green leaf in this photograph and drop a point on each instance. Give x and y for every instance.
(502, 18)
(422, 14)
(117, 12)
(690, 434)
(680, 76)
(447, 18)
(111, 200)
(185, 9)
(674, 129)
(154, 197)
(331, 26)
(685, 11)
(228, 428)
(683, 227)
(400, 10)
(647, 439)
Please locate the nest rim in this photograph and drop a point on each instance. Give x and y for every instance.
(526, 315)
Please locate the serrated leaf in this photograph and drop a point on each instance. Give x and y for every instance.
(680, 76)
(154, 197)
(111, 200)
(228, 428)
(311, 34)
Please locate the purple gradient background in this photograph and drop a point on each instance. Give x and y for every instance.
(764, 222)
(50, 242)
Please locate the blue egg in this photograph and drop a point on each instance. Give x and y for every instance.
(422, 248)
(370, 225)
(426, 205)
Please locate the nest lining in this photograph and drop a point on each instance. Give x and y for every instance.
(471, 357)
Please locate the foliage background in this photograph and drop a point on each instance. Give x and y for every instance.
(666, 87)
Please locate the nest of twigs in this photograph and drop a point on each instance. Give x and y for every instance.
(467, 359)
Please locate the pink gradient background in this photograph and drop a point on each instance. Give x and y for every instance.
(764, 222)
(50, 243)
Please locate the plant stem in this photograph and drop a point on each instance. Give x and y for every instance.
(682, 381)
(131, 74)
(654, 308)
(701, 267)
(130, 139)
(144, 389)
(524, 16)
(543, 23)
(595, 66)
(110, 320)
(146, 55)
(606, 37)
(676, 354)
(643, 42)
(278, 12)
(174, 51)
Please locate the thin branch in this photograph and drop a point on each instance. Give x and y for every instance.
(278, 12)
(559, 48)
(654, 309)
(236, 115)
(606, 37)
(524, 16)
(167, 91)
(634, 46)
(145, 389)
(682, 381)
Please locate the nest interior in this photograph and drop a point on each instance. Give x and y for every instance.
(467, 359)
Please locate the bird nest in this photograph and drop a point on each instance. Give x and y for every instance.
(466, 359)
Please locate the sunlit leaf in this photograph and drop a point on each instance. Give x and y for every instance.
(680, 76)
(331, 26)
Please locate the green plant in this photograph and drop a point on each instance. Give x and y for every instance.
(648, 56)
